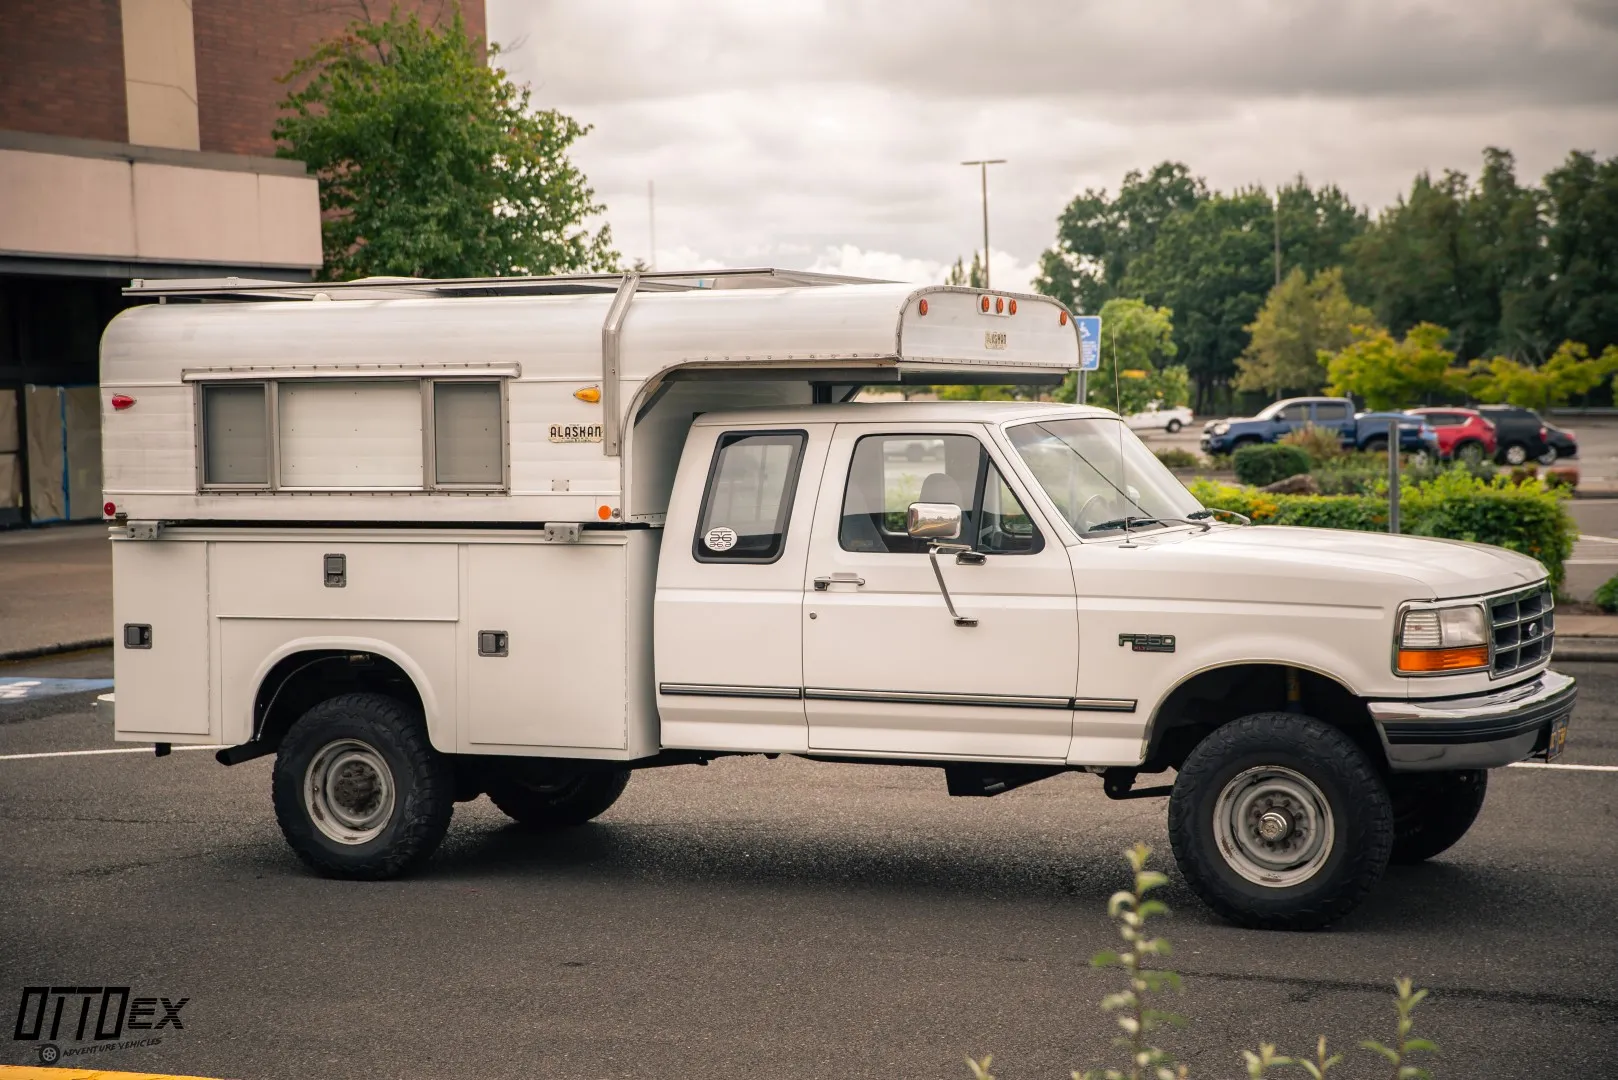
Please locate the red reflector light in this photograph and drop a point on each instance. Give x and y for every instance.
(923, 305)
(122, 401)
(1013, 307)
(109, 509)
(983, 304)
(999, 304)
(1062, 318)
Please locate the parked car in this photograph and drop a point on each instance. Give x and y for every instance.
(1363, 431)
(1158, 418)
(1463, 434)
(1562, 442)
(1521, 434)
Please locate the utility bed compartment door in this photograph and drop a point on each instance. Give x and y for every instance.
(160, 640)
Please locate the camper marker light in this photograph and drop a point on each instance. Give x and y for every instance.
(983, 304)
(999, 304)
(604, 512)
(591, 394)
(109, 509)
(922, 306)
(1062, 318)
(122, 401)
(1012, 306)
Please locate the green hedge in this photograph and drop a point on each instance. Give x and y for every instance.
(1527, 517)
(1269, 462)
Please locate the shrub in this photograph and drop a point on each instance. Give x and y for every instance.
(1139, 1018)
(1321, 444)
(1606, 597)
(1528, 517)
(1177, 458)
(1358, 474)
(1267, 463)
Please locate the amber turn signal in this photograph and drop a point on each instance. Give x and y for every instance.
(592, 394)
(1423, 661)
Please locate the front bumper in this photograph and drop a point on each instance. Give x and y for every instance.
(1477, 731)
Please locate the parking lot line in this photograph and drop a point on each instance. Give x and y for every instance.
(113, 750)
(1559, 765)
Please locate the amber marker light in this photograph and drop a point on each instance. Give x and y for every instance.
(604, 512)
(1062, 318)
(922, 306)
(1427, 661)
(983, 304)
(591, 394)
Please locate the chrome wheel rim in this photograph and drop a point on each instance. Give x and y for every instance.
(1274, 826)
(348, 791)
(1516, 455)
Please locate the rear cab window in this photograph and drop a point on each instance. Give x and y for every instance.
(748, 498)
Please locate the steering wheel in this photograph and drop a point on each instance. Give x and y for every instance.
(1083, 517)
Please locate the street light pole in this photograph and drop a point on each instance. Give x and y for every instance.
(983, 175)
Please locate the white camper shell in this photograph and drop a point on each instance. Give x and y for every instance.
(429, 540)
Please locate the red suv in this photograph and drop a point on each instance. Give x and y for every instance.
(1463, 434)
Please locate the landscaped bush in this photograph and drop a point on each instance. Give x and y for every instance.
(1356, 474)
(1321, 444)
(1528, 517)
(1606, 597)
(1177, 458)
(1267, 463)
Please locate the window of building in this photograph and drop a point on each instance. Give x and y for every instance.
(889, 472)
(749, 497)
(371, 434)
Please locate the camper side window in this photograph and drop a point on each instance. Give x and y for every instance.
(749, 497)
(236, 435)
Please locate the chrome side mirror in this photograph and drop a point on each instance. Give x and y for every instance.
(933, 521)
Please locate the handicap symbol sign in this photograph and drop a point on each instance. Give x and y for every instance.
(1089, 341)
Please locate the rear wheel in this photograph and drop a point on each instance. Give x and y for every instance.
(359, 790)
(1376, 444)
(1471, 452)
(1174, 427)
(1431, 811)
(1548, 457)
(1279, 822)
(545, 799)
(1514, 454)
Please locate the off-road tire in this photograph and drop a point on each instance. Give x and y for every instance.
(423, 779)
(563, 805)
(1431, 811)
(1353, 790)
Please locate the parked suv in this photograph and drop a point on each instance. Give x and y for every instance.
(1520, 433)
(1463, 434)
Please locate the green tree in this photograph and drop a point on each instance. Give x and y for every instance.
(1302, 317)
(1137, 341)
(972, 278)
(431, 163)
(1581, 249)
(1391, 374)
(1098, 237)
(1569, 372)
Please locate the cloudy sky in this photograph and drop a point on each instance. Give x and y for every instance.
(826, 134)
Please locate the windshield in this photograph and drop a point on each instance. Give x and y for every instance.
(1098, 473)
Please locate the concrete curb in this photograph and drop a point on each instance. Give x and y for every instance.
(1592, 649)
(53, 650)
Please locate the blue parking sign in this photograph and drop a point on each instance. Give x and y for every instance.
(1089, 341)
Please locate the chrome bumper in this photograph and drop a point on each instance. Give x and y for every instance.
(1478, 731)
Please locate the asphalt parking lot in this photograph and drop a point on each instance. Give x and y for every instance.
(759, 918)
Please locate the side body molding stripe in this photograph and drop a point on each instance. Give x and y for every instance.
(900, 697)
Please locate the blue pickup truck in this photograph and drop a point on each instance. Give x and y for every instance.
(1361, 431)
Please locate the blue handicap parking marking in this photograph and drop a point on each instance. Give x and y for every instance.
(26, 689)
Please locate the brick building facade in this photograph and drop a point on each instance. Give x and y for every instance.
(135, 142)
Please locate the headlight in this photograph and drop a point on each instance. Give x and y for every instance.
(1220, 429)
(1438, 641)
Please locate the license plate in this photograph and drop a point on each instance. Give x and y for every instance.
(1558, 740)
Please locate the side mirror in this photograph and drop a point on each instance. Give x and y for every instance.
(933, 521)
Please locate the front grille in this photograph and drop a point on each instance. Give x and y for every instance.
(1524, 628)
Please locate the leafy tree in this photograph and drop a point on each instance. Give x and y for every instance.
(1569, 372)
(1137, 340)
(972, 278)
(430, 161)
(1098, 237)
(1581, 249)
(1302, 317)
(1390, 374)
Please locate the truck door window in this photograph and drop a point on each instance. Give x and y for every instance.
(1295, 414)
(749, 497)
(889, 472)
(1331, 411)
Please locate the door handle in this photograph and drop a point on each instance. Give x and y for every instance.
(842, 577)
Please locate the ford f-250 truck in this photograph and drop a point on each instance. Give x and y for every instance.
(1359, 431)
(424, 541)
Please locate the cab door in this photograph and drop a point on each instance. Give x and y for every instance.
(728, 615)
(886, 669)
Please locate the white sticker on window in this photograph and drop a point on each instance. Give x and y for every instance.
(719, 539)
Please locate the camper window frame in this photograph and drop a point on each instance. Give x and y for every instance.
(426, 385)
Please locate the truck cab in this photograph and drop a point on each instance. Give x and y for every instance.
(425, 542)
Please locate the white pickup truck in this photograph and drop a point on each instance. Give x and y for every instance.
(428, 540)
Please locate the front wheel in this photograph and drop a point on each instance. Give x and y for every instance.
(359, 790)
(1279, 822)
(1173, 427)
(555, 800)
(1431, 811)
(1548, 457)
(1470, 453)
(1515, 454)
